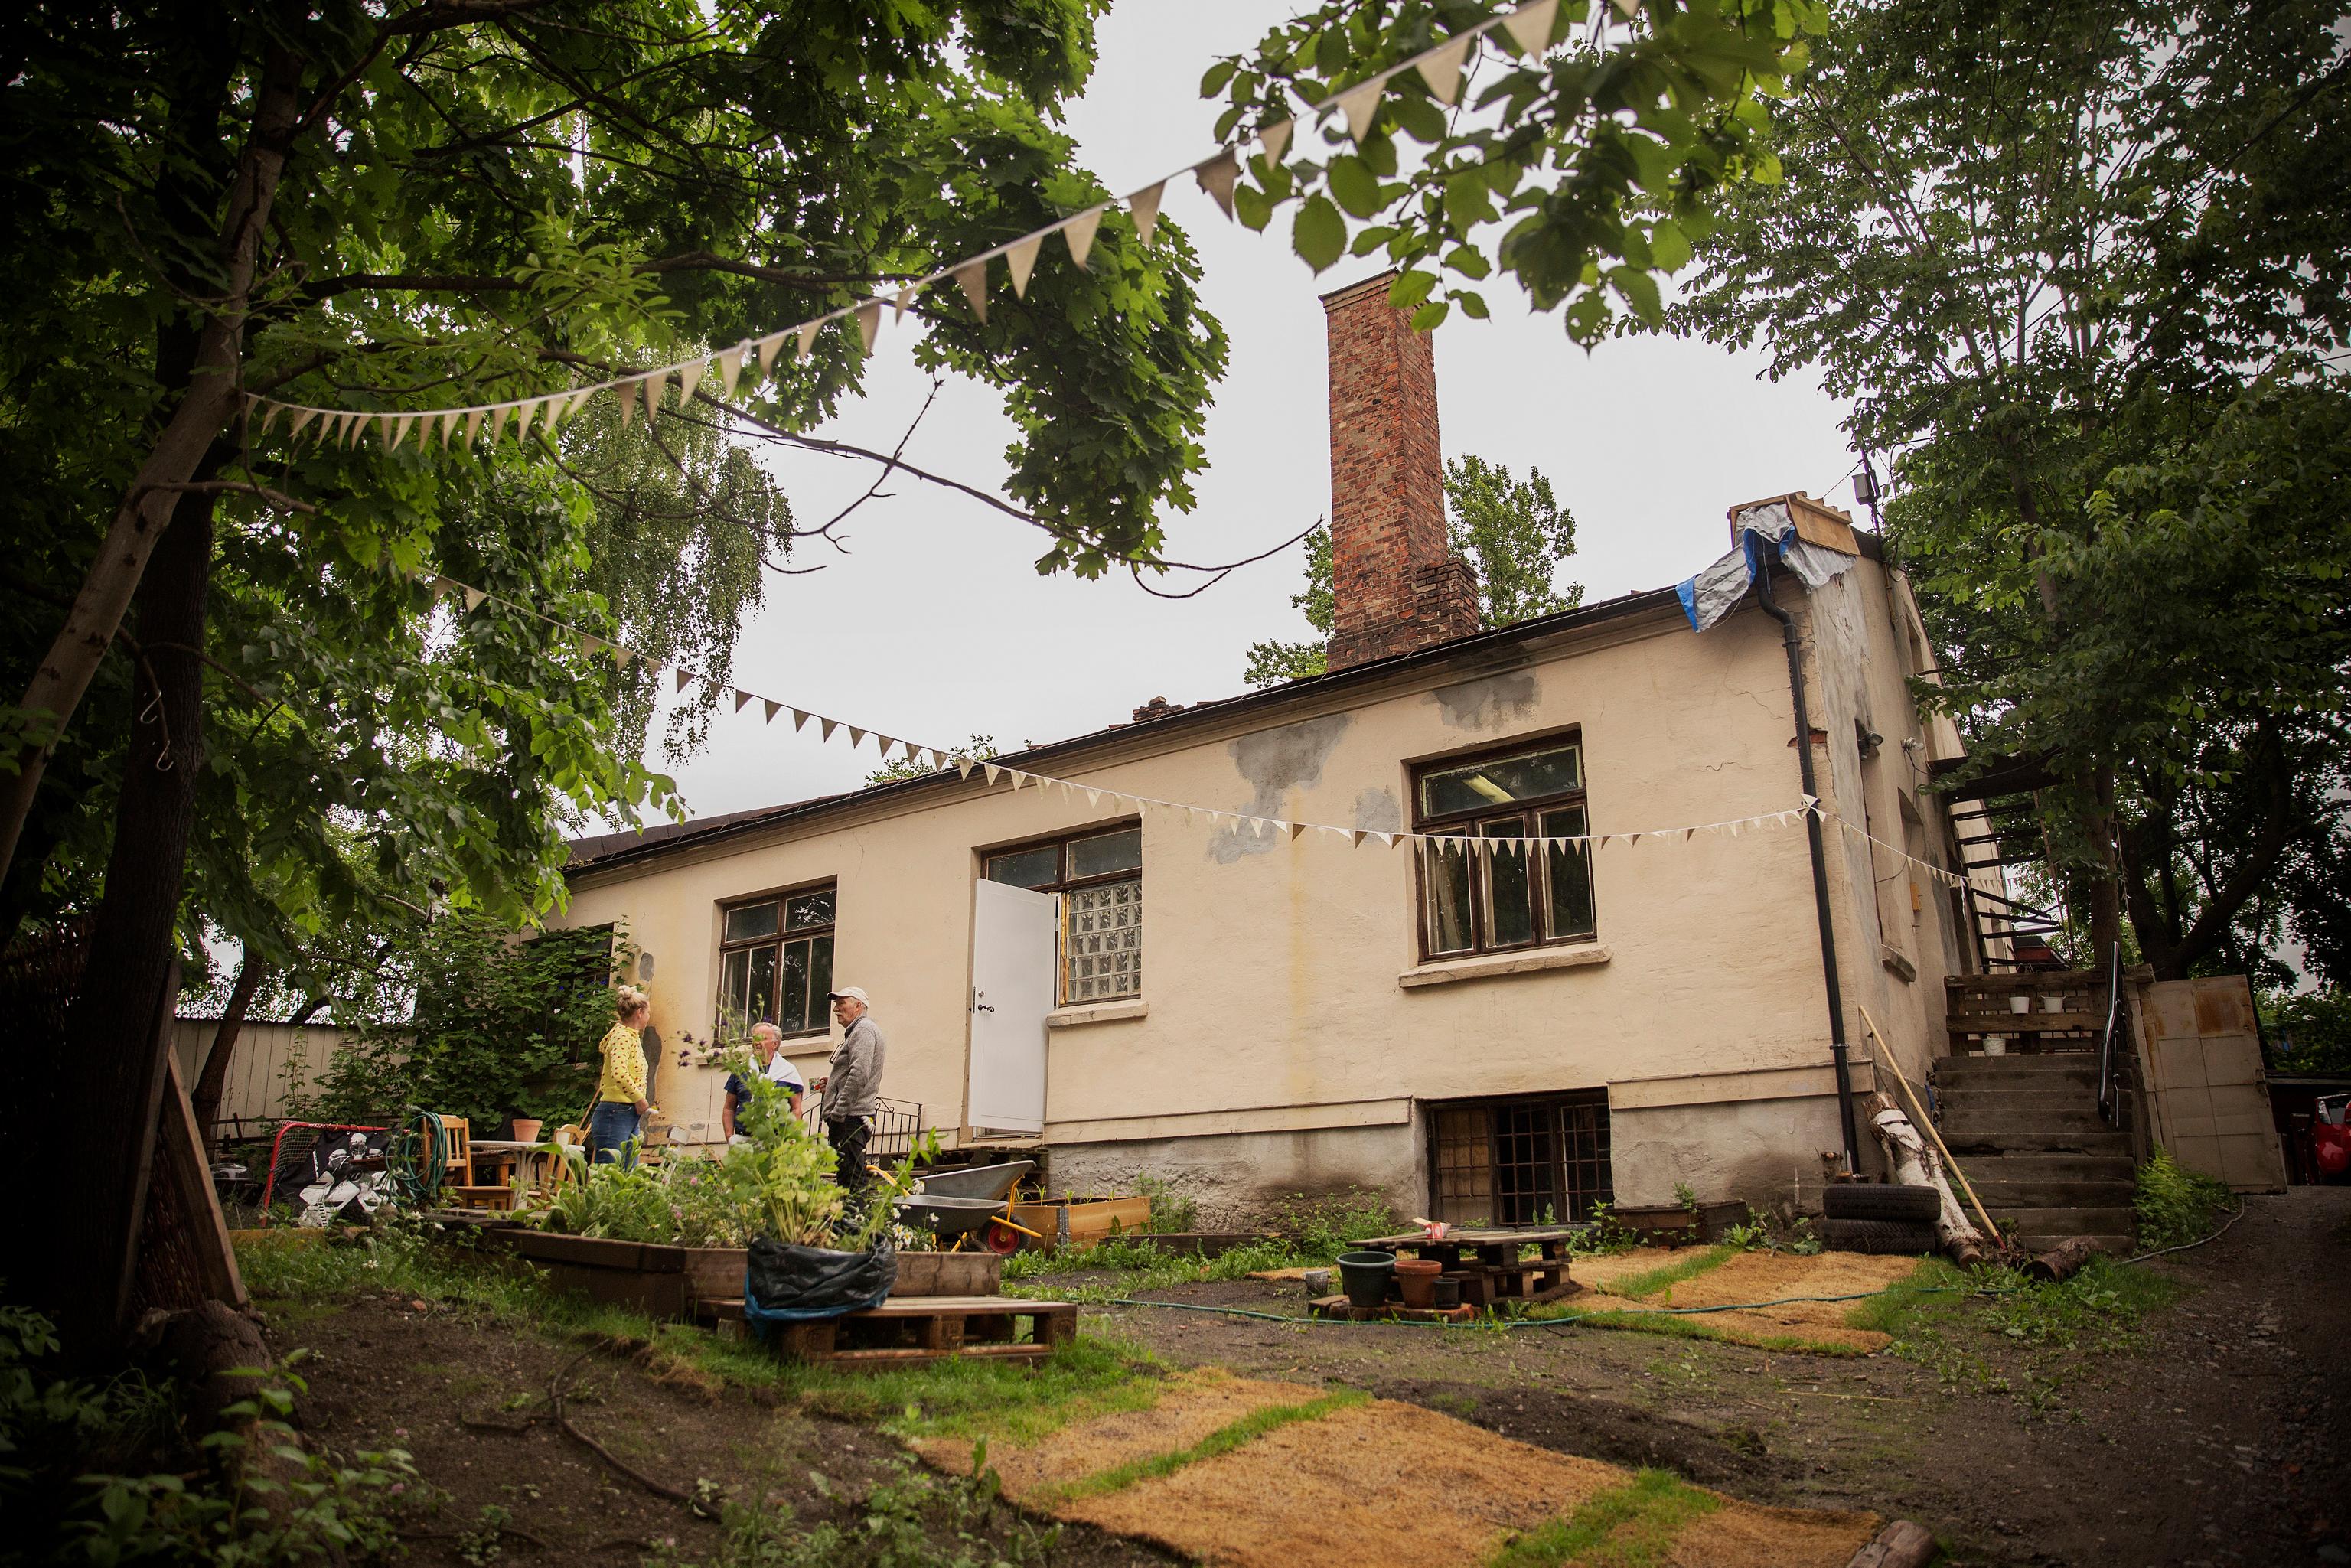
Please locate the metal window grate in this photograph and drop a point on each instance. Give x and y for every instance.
(1516, 1162)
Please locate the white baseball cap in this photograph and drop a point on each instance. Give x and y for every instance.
(851, 993)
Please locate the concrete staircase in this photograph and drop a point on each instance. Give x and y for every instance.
(2026, 1131)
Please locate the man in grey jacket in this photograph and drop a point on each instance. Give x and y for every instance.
(853, 1090)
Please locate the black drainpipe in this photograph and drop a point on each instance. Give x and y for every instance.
(1794, 645)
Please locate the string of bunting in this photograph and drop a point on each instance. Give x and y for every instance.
(1948, 878)
(1531, 27)
(995, 772)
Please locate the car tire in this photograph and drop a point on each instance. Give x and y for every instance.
(1878, 1236)
(1869, 1201)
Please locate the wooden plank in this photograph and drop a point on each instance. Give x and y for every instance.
(2027, 1023)
(183, 1147)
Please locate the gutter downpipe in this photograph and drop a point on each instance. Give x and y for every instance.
(1837, 1047)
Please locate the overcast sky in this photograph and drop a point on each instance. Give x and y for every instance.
(936, 626)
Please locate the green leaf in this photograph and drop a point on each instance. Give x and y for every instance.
(1252, 206)
(1217, 76)
(1669, 251)
(1318, 234)
(1468, 261)
(1639, 290)
(1354, 186)
(1370, 239)
(1410, 288)
(1473, 305)
(1431, 316)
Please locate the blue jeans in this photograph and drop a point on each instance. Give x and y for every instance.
(611, 1125)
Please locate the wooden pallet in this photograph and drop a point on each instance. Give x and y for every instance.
(1340, 1307)
(915, 1328)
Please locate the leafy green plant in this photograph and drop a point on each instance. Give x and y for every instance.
(2175, 1204)
(1605, 1234)
(497, 1027)
(1173, 1212)
(76, 1485)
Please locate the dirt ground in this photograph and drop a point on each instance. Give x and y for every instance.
(2215, 1437)
(456, 1393)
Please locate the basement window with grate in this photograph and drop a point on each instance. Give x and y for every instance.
(1099, 878)
(1534, 1161)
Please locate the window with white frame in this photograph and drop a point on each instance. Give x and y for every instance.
(1098, 875)
(1514, 898)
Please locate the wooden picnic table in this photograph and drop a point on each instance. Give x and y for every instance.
(1487, 1261)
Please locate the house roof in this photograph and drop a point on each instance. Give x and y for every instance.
(608, 850)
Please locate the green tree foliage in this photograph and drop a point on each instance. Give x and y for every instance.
(2309, 1031)
(1514, 534)
(2083, 268)
(480, 1025)
(1582, 170)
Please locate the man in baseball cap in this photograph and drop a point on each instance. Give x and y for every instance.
(857, 1069)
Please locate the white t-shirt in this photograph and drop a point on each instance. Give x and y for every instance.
(782, 1072)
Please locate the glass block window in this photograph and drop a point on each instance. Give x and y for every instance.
(1504, 899)
(775, 962)
(1099, 874)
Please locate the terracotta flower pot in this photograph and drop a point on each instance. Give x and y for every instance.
(527, 1131)
(1416, 1277)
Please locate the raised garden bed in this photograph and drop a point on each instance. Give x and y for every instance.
(667, 1281)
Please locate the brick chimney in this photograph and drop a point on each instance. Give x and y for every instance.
(1397, 587)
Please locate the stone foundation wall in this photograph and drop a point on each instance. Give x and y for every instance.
(1239, 1180)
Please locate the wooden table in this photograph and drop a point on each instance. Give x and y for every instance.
(1488, 1262)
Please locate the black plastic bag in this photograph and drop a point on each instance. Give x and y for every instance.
(783, 1284)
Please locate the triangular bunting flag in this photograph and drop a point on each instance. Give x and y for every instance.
(1529, 26)
(1356, 836)
(856, 734)
(825, 728)
(1295, 830)
(773, 708)
(1631, 8)
(1144, 205)
(473, 597)
(1079, 232)
(1021, 256)
(1440, 67)
(730, 369)
(799, 720)
(302, 417)
(770, 345)
(684, 676)
(655, 385)
(1387, 840)
(904, 295)
(993, 772)
(806, 343)
(1633, 842)
(523, 417)
(1360, 105)
(1093, 797)
(269, 413)
(973, 275)
(964, 766)
(939, 759)
(448, 427)
(1274, 141)
(1217, 176)
(869, 322)
(592, 646)
(473, 426)
(688, 379)
(628, 408)
(742, 699)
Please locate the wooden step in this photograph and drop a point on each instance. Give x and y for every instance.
(1969, 1097)
(2037, 1066)
(2050, 1167)
(914, 1328)
(2000, 1195)
(2113, 1244)
(1968, 1139)
(1991, 1127)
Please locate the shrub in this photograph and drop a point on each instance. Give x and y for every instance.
(1171, 1212)
(2175, 1204)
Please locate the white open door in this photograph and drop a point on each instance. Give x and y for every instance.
(1015, 947)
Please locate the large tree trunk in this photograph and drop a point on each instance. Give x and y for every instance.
(107, 1080)
(213, 398)
(214, 1076)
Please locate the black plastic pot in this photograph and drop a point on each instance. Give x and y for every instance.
(1447, 1294)
(1364, 1276)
